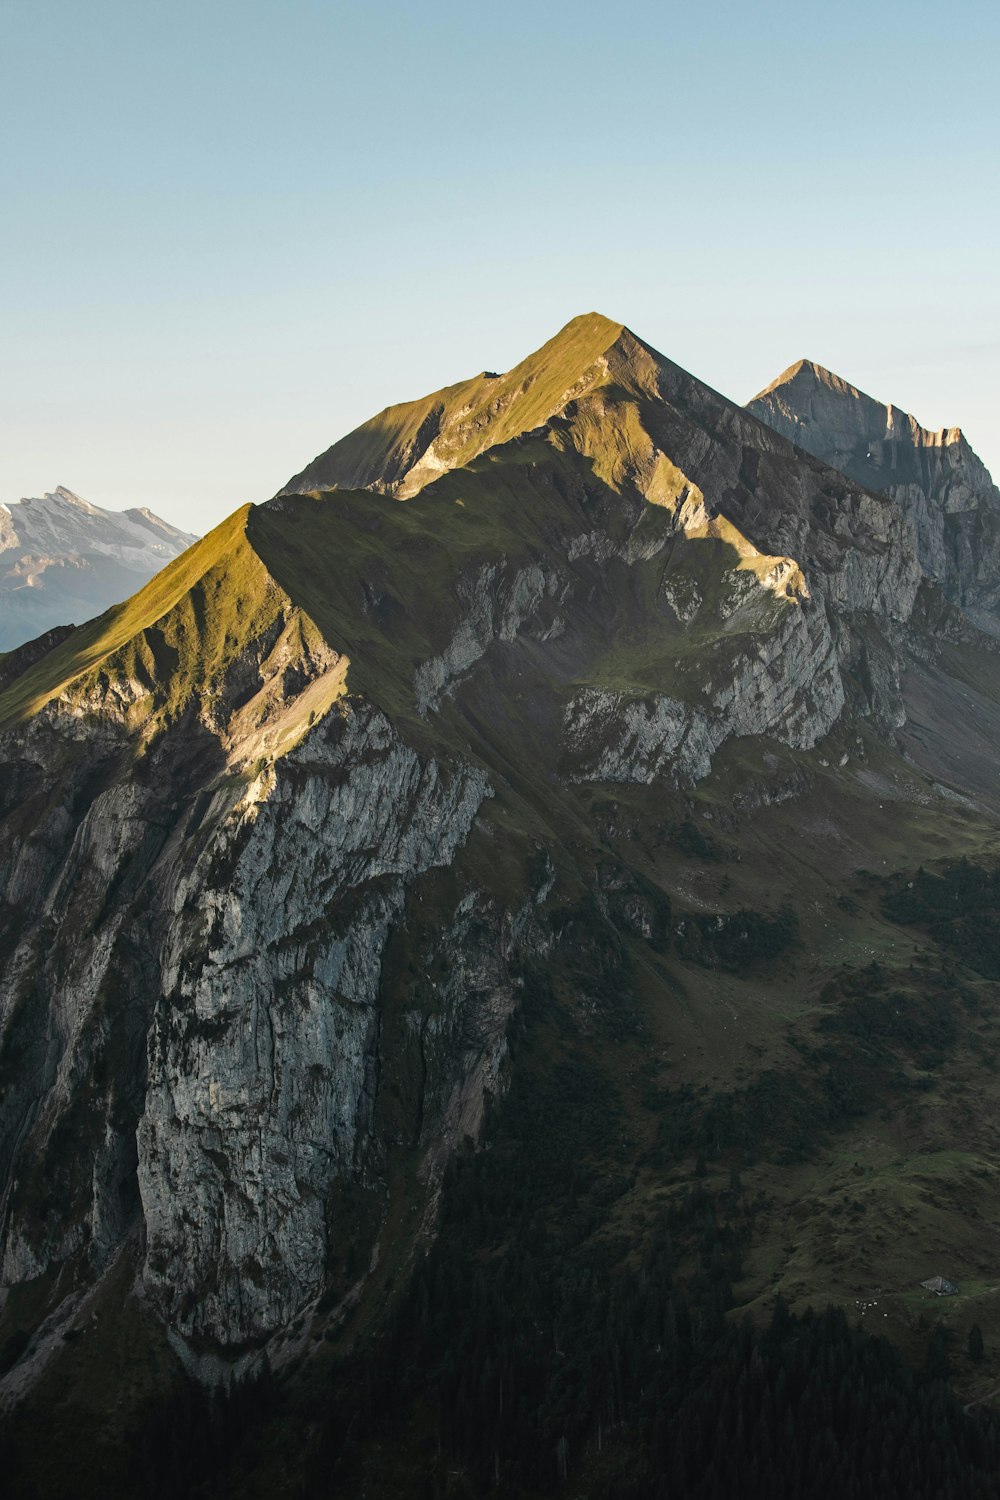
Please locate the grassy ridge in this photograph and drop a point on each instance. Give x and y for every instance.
(390, 585)
(465, 418)
(209, 584)
(175, 642)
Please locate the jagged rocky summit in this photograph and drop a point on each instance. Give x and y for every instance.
(63, 559)
(280, 830)
(949, 503)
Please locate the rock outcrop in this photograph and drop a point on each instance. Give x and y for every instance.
(198, 991)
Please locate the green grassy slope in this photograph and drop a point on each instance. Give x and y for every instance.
(388, 585)
(486, 410)
(173, 643)
(210, 593)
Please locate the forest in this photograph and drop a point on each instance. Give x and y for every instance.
(535, 1349)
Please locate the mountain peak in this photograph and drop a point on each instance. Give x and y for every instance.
(808, 373)
(60, 498)
(404, 447)
(808, 394)
(945, 492)
(590, 322)
(805, 381)
(70, 497)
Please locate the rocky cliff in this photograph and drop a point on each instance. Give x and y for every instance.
(948, 500)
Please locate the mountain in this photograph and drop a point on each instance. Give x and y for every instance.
(948, 499)
(474, 927)
(405, 447)
(62, 559)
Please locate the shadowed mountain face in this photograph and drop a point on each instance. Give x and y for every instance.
(949, 501)
(63, 559)
(565, 704)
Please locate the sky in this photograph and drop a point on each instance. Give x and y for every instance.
(234, 229)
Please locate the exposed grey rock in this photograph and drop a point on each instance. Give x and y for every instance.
(256, 1001)
(262, 1045)
(498, 600)
(787, 686)
(950, 505)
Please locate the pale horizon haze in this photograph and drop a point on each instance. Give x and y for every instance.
(232, 232)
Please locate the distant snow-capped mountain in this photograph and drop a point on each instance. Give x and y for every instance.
(63, 559)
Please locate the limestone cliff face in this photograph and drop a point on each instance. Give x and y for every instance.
(949, 503)
(191, 1005)
(787, 687)
(263, 1050)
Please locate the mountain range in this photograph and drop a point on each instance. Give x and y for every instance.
(485, 921)
(63, 559)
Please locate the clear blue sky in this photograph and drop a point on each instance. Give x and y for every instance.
(233, 229)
